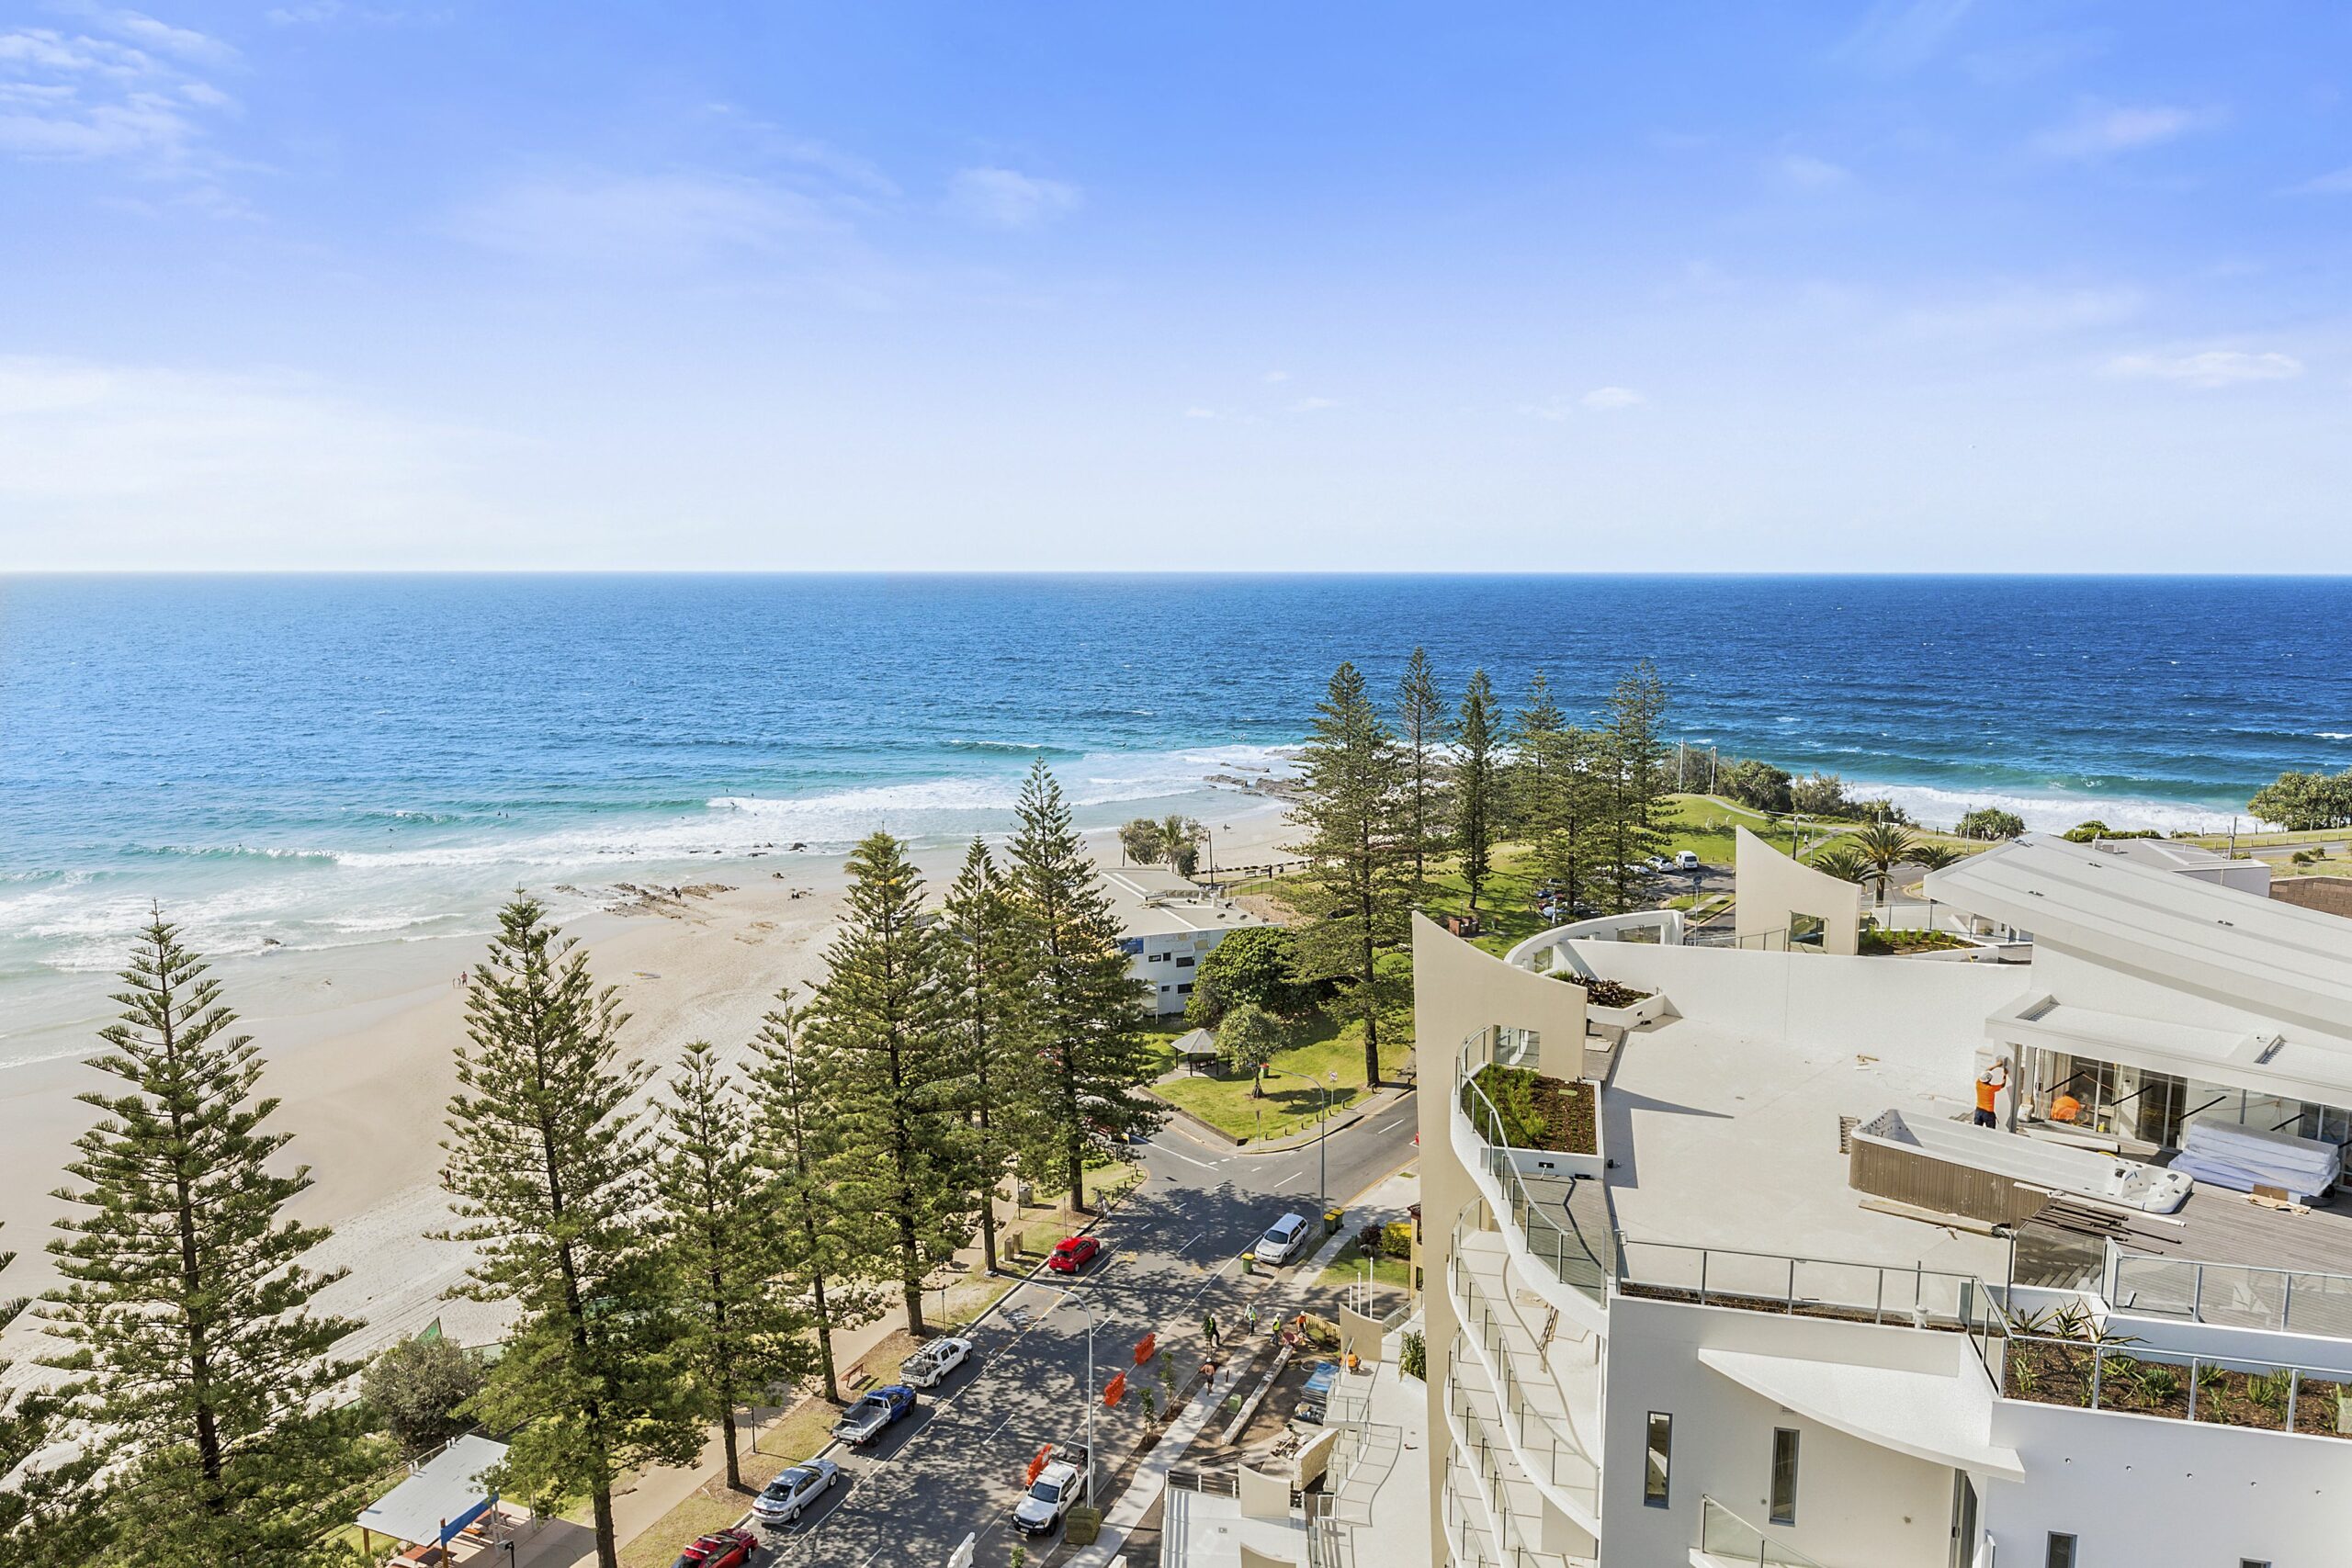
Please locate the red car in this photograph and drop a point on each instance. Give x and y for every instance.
(1073, 1255)
(720, 1549)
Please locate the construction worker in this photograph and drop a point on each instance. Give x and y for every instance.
(1208, 1328)
(1249, 1316)
(1989, 1083)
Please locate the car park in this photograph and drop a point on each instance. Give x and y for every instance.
(874, 1414)
(1282, 1241)
(1073, 1254)
(789, 1496)
(928, 1367)
(719, 1549)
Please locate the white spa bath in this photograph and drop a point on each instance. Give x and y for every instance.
(2085, 1172)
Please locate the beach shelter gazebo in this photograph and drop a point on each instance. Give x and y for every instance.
(1197, 1048)
(446, 1493)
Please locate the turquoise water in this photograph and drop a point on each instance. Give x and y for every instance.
(308, 762)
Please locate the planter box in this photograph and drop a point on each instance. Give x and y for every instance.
(1649, 1010)
(1553, 1162)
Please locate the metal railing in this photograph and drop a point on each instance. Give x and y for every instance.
(1541, 1438)
(2239, 1295)
(1489, 1461)
(2124, 1375)
(1724, 1534)
(1584, 1263)
(1915, 1297)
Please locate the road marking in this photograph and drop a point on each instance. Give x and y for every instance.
(1188, 1159)
(1398, 1123)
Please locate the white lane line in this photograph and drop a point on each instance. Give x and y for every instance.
(1188, 1245)
(1188, 1159)
(1398, 1123)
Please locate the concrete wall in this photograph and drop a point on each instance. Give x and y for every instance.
(1458, 990)
(1856, 1503)
(1867, 1004)
(1772, 887)
(2143, 1489)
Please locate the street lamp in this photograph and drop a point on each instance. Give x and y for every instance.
(1323, 1131)
(1073, 1298)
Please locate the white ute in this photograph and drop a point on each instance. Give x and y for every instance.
(928, 1367)
(1059, 1487)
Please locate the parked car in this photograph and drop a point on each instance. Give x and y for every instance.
(1657, 864)
(1686, 859)
(786, 1497)
(1073, 1254)
(928, 1367)
(1315, 1397)
(1282, 1241)
(1065, 1483)
(875, 1412)
(719, 1549)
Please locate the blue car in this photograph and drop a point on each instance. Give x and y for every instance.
(875, 1412)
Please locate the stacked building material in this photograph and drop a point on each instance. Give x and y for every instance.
(2243, 1159)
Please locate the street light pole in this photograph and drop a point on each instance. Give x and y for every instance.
(1322, 1132)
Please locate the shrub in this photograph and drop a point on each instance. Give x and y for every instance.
(1991, 822)
(420, 1387)
(1413, 1355)
(1257, 964)
(1371, 1241)
(1760, 785)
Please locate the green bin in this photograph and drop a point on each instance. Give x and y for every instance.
(1331, 1218)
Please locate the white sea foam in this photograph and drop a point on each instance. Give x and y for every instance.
(2051, 812)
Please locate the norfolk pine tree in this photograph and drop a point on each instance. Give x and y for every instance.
(548, 1171)
(1633, 774)
(47, 1516)
(740, 1332)
(1477, 783)
(1539, 719)
(1354, 886)
(986, 979)
(887, 1054)
(1083, 1012)
(184, 1303)
(826, 1254)
(1423, 728)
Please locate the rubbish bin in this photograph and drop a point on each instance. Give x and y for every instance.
(1248, 1263)
(1331, 1218)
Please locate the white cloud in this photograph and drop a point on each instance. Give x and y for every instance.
(1006, 198)
(1809, 172)
(113, 465)
(1600, 400)
(88, 98)
(2338, 182)
(1198, 413)
(2098, 130)
(1313, 405)
(1900, 35)
(605, 220)
(2212, 367)
(2022, 311)
(1605, 400)
(1276, 378)
(147, 32)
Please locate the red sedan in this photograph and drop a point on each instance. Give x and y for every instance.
(720, 1549)
(1073, 1255)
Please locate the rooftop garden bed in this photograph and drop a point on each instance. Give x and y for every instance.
(1539, 1112)
(1604, 993)
(2109, 1373)
(1897, 943)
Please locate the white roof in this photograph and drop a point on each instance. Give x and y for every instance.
(1195, 1043)
(441, 1498)
(2258, 955)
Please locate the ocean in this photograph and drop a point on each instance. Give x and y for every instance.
(311, 762)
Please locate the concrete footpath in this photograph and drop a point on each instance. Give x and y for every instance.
(1387, 1199)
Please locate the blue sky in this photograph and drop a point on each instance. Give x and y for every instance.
(1922, 285)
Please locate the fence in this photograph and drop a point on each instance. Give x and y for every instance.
(1585, 1264)
(2239, 1295)
(1724, 1534)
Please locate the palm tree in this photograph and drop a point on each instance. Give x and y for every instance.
(1840, 862)
(1934, 857)
(1883, 846)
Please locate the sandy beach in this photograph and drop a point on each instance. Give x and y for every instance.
(362, 1057)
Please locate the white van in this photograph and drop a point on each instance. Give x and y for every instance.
(1282, 1241)
(1686, 859)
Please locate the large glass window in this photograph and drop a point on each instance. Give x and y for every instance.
(1784, 1477)
(1660, 1460)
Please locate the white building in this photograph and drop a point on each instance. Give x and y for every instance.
(1699, 1343)
(1171, 922)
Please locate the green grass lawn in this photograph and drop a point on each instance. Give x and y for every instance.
(1347, 1268)
(1317, 1048)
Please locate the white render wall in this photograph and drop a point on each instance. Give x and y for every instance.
(1856, 1503)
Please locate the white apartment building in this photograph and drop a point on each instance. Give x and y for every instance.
(1172, 923)
(1699, 1342)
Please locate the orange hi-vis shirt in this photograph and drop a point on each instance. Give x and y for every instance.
(1984, 1093)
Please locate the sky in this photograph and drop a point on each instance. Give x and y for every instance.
(1921, 285)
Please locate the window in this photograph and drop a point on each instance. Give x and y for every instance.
(1661, 1459)
(1784, 1475)
(1185, 961)
(1185, 990)
(1159, 958)
(2253, 1562)
(2061, 1552)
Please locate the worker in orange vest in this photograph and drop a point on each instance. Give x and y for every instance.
(1990, 1082)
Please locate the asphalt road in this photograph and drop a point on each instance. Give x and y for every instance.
(1169, 1252)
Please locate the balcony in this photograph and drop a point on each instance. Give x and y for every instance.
(1725, 1540)
(1549, 1387)
(1559, 1229)
(1505, 1503)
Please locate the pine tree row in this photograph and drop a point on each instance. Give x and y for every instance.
(669, 1253)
